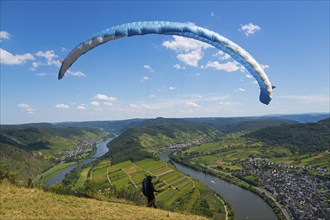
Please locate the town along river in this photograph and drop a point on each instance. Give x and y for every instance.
(245, 204)
(101, 149)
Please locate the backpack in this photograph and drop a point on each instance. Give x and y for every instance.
(145, 187)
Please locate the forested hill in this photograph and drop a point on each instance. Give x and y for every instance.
(299, 138)
(27, 150)
(145, 140)
(240, 124)
(108, 126)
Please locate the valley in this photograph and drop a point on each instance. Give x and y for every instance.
(252, 153)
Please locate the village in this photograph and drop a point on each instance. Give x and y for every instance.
(303, 195)
(75, 153)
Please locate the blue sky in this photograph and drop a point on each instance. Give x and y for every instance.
(156, 75)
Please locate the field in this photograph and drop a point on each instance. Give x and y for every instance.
(178, 192)
(234, 147)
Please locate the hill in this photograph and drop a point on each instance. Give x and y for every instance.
(28, 150)
(240, 124)
(302, 118)
(23, 203)
(146, 139)
(108, 126)
(299, 138)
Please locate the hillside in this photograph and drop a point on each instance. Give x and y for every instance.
(28, 150)
(23, 203)
(146, 139)
(299, 138)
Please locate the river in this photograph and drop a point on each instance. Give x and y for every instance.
(246, 204)
(101, 149)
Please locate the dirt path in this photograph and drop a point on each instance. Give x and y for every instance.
(130, 178)
(108, 175)
(223, 205)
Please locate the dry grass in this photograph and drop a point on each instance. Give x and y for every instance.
(22, 203)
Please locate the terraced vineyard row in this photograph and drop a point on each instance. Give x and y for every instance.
(177, 191)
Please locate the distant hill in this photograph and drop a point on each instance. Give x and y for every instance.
(145, 139)
(239, 124)
(23, 203)
(27, 150)
(303, 118)
(299, 138)
(108, 126)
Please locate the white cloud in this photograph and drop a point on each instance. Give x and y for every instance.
(63, 49)
(41, 74)
(309, 99)
(189, 51)
(221, 55)
(10, 59)
(144, 106)
(95, 103)
(183, 44)
(227, 103)
(4, 35)
(250, 28)
(229, 66)
(108, 103)
(62, 106)
(76, 74)
(192, 104)
(49, 55)
(191, 58)
(212, 14)
(240, 90)
(264, 66)
(81, 107)
(171, 88)
(145, 78)
(249, 76)
(26, 107)
(147, 67)
(104, 97)
(179, 67)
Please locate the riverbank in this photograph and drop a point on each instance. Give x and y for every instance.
(276, 207)
(58, 174)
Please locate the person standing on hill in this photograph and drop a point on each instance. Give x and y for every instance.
(148, 191)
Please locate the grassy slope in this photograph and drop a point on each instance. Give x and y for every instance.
(22, 203)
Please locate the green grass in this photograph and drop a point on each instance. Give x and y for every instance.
(22, 203)
(83, 177)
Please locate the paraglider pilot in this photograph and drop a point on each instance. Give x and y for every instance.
(148, 191)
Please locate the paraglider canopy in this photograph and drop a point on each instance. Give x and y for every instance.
(180, 29)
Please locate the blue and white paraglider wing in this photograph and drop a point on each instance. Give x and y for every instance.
(180, 29)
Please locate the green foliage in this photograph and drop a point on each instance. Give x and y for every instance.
(299, 138)
(6, 174)
(146, 139)
(31, 149)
